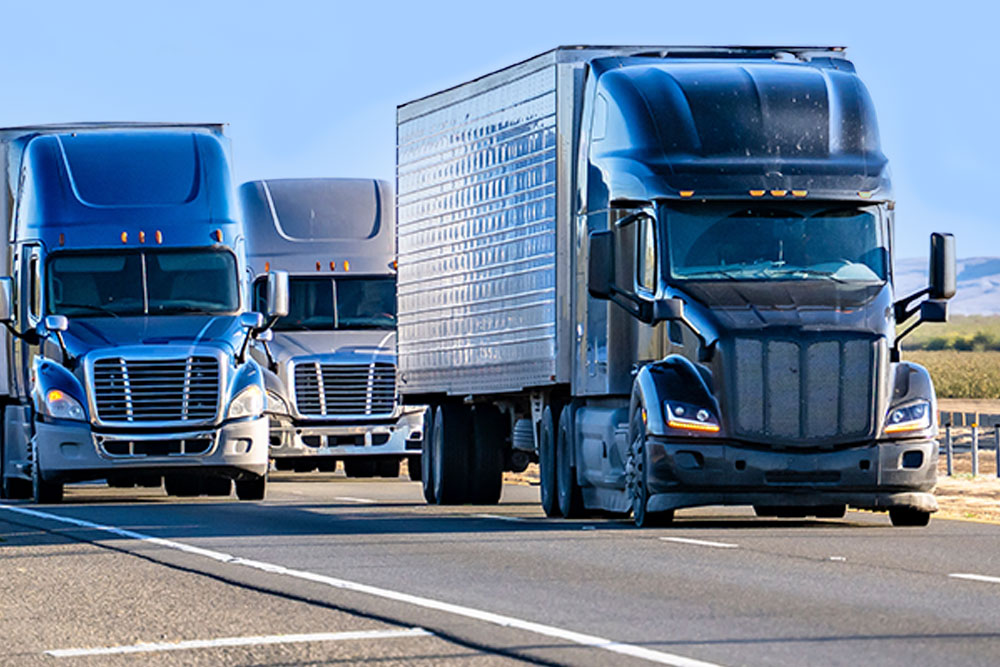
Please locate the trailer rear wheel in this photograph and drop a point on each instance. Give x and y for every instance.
(569, 491)
(450, 446)
(909, 516)
(388, 467)
(489, 429)
(427, 458)
(251, 489)
(547, 465)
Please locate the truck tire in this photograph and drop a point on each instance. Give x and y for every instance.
(414, 467)
(450, 447)
(909, 516)
(44, 492)
(15, 488)
(427, 459)
(251, 489)
(387, 467)
(217, 486)
(182, 485)
(636, 473)
(359, 466)
(489, 434)
(547, 465)
(567, 488)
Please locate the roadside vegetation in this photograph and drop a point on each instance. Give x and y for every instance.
(963, 355)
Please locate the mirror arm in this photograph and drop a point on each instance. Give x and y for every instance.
(242, 356)
(630, 302)
(902, 309)
(272, 365)
(30, 336)
(896, 352)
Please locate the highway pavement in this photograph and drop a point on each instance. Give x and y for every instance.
(329, 570)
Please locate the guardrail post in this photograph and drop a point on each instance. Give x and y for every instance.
(975, 449)
(996, 443)
(948, 448)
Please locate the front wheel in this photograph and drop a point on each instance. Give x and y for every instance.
(567, 488)
(636, 478)
(909, 516)
(251, 489)
(44, 492)
(426, 460)
(547, 465)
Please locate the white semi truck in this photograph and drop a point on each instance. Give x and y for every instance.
(335, 351)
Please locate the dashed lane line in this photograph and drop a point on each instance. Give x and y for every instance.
(701, 543)
(592, 641)
(227, 642)
(975, 577)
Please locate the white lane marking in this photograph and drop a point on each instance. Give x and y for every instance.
(238, 641)
(975, 577)
(839, 559)
(349, 499)
(702, 543)
(661, 657)
(499, 517)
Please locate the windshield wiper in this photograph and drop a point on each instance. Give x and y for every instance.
(90, 306)
(807, 273)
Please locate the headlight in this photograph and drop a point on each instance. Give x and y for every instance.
(691, 418)
(276, 404)
(57, 404)
(916, 417)
(248, 403)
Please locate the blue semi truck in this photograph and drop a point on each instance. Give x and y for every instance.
(124, 305)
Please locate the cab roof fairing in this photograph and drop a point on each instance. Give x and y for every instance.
(86, 189)
(291, 224)
(723, 128)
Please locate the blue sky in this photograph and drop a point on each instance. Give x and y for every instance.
(310, 88)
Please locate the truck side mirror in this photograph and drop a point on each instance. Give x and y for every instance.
(277, 294)
(600, 264)
(942, 269)
(252, 321)
(934, 310)
(56, 323)
(6, 299)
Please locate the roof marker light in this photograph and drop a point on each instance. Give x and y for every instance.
(347, 265)
(757, 193)
(142, 236)
(333, 266)
(159, 236)
(217, 235)
(799, 193)
(318, 265)
(779, 193)
(62, 239)
(124, 237)
(685, 193)
(267, 266)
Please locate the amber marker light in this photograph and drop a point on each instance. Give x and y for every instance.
(319, 266)
(686, 193)
(693, 426)
(799, 193)
(124, 237)
(267, 266)
(142, 236)
(680, 417)
(217, 235)
(333, 266)
(347, 265)
(62, 239)
(779, 193)
(757, 193)
(55, 395)
(159, 236)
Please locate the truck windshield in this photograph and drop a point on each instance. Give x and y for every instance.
(728, 241)
(142, 282)
(325, 304)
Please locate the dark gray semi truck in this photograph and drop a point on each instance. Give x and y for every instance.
(666, 275)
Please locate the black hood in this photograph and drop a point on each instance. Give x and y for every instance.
(800, 303)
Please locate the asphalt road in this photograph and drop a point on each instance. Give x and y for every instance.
(335, 571)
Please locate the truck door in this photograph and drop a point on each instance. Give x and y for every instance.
(28, 312)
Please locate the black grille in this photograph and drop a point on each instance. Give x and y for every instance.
(803, 391)
(156, 447)
(345, 389)
(129, 390)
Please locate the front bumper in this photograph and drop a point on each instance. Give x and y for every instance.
(875, 476)
(71, 452)
(297, 439)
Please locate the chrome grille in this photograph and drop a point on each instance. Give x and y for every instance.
(803, 391)
(156, 390)
(345, 389)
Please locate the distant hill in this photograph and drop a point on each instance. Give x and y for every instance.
(978, 283)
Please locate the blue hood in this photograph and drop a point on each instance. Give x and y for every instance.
(89, 333)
